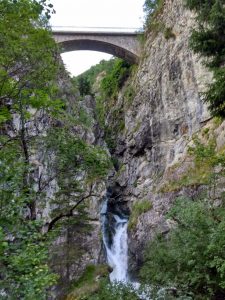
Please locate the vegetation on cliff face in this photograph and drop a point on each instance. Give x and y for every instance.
(114, 80)
(208, 40)
(138, 208)
(86, 80)
(151, 9)
(39, 149)
(113, 75)
(94, 285)
(190, 258)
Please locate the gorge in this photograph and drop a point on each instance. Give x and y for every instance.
(117, 174)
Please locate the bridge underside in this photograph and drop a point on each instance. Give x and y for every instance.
(101, 47)
(123, 45)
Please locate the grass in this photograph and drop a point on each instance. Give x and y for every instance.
(129, 95)
(138, 209)
(208, 165)
(152, 12)
(88, 283)
(194, 178)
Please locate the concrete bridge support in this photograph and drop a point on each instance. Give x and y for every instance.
(125, 45)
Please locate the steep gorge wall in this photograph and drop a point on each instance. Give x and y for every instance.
(79, 242)
(77, 238)
(151, 147)
(166, 112)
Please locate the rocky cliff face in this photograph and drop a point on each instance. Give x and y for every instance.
(79, 243)
(150, 149)
(166, 112)
(77, 240)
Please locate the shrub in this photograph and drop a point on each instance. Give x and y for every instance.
(191, 257)
(168, 33)
(152, 8)
(117, 291)
(115, 79)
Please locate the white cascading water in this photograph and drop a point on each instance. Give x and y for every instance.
(117, 251)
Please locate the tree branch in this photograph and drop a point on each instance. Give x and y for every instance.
(70, 212)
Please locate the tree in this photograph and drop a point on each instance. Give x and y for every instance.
(32, 115)
(28, 67)
(209, 41)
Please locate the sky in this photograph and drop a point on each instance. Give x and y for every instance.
(94, 13)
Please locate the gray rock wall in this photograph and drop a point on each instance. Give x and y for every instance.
(159, 124)
(152, 148)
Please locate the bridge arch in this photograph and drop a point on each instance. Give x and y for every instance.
(123, 45)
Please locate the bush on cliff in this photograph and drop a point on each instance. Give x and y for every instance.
(191, 257)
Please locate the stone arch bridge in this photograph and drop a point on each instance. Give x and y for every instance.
(123, 44)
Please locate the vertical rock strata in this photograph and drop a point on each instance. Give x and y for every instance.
(151, 149)
(165, 113)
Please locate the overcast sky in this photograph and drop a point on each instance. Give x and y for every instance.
(94, 13)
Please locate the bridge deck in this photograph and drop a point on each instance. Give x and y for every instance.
(111, 33)
(96, 30)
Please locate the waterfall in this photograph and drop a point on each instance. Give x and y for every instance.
(114, 232)
(115, 242)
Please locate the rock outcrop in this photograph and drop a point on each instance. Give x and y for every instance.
(166, 112)
(150, 149)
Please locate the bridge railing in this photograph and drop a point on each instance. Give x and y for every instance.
(95, 29)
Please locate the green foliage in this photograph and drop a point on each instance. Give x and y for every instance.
(191, 256)
(23, 47)
(86, 80)
(43, 134)
(129, 95)
(215, 96)
(88, 283)
(28, 67)
(110, 137)
(84, 86)
(28, 275)
(4, 115)
(117, 291)
(100, 111)
(209, 167)
(139, 208)
(93, 285)
(107, 78)
(152, 8)
(110, 85)
(114, 80)
(208, 41)
(72, 153)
